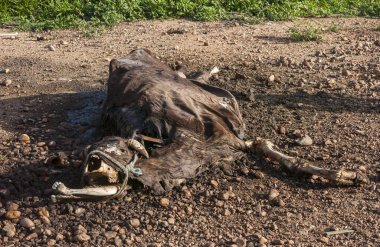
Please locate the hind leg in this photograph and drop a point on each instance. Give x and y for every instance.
(267, 149)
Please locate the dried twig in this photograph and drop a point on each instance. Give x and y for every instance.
(8, 35)
(338, 232)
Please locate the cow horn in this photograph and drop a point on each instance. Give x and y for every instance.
(136, 145)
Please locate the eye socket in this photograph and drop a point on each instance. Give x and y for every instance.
(94, 164)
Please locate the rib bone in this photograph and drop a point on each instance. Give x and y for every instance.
(267, 149)
(89, 191)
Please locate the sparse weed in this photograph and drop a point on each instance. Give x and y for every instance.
(307, 34)
(334, 28)
(377, 28)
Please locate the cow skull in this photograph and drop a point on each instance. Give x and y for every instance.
(105, 171)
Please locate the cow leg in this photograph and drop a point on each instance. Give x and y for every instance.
(88, 191)
(267, 149)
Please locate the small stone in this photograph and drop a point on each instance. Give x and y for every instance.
(244, 171)
(363, 168)
(41, 144)
(346, 72)
(377, 42)
(279, 202)
(205, 43)
(224, 196)
(263, 240)
(164, 202)
(241, 242)
(9, 229)
(82, 237)
(6, 82)
(24, 138)
(189, 210)
(59, 237)
(51, 242)
(171, 221)
(214, 183)
(27, 223)
(273, 193)
(135, 223)
(13, 214)
(226, 212)
(31, 236)
(278, 242)
(297, 133)
(187, 193)
(324, 240)
(79, 211)
(110, 234)
(5, 71)
(271, 78)
(43, 212)
(51, 47)
(281, 130)
(52, 144)
(258, 174)
(11, 206)
(304, 141)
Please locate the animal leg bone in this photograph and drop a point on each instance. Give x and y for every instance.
(267, 148)
(88, 191)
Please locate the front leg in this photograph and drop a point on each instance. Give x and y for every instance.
(267, 149)
(88, 191)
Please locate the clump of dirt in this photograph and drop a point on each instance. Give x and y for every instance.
(328, 90)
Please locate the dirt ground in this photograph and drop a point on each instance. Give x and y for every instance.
(329, 90)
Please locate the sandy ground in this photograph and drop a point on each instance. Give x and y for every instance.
(329, 90)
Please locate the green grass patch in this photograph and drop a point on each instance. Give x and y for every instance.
(334, 28)
(54, 14)
(377, 28)
(307, 34)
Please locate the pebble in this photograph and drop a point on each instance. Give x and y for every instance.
(79, 211)
(31, 236)
(187, 193)
(82, 237)
(263, 240)
(110, 234)
(51, 47)
(279, 203)
(11, 206)
(5, 71)
(6, 82)
(271, 78)
(12, 214)
(24, 138)
(282, 130)
(9, 229)
(377, 42)
(43, 212)
(27, 223)
(304, 141)
(226, 212)
(164, 202)
(273, 193)
(258, 174)
(214, 183)
(135, 223)
(41, 144)
(278, 242)
(244, 171)
(224, 196)
(51, 242)
(241, 242)
(324, 240)
(171, 221)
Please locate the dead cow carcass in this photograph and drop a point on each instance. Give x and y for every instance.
(161, 128)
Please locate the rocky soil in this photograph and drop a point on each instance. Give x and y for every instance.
(52, 85)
